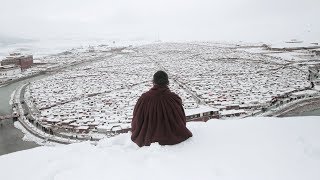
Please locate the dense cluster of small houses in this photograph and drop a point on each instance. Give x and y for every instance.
(213, 82)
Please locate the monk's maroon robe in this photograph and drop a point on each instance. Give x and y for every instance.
(159, 117)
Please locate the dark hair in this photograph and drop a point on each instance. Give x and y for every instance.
(160, 78)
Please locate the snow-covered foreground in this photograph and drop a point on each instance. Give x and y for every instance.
(252, 148)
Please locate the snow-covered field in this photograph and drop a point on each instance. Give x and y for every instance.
(252, 148)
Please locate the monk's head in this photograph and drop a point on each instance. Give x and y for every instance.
(160, 78)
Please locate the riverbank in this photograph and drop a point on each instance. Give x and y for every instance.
(302, 107)
(21, 79)
(27, 125)
(32, 138)
(296, 108)
(311, 113)
(309, 109)
(11, 138)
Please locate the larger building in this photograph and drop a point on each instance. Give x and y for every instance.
(24, 61)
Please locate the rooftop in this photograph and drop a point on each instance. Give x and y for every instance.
(8, 67)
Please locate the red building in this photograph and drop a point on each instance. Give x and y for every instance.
(23, 61)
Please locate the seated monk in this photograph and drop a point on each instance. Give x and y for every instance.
(159, 116)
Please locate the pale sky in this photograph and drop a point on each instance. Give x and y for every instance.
(229, 20)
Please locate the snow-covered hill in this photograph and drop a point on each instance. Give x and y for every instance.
(252, 148)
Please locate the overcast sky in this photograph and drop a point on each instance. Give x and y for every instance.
(246, 20)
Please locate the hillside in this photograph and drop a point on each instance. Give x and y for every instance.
(251, 148)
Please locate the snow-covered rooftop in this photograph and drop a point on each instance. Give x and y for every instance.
(99, 86)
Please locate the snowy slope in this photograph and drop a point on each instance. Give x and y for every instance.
(252, 148)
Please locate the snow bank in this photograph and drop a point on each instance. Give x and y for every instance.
(251, 148)
(30, 137)
(12, 97)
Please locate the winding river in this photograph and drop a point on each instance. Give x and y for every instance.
(10, 137)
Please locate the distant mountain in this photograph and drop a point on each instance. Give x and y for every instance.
(8, 40)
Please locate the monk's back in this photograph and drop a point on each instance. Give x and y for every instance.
(159, 117)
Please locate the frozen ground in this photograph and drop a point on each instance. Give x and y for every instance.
(252, 148)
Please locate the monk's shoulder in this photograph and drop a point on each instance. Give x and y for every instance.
(174, 95)
(145, 96)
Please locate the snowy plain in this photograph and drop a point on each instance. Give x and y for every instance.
(250, 148)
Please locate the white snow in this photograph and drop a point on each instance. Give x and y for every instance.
(251, 148)
(11, 97)
(201, 109)
(127, 51)
(309, 92)
(232, 111)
